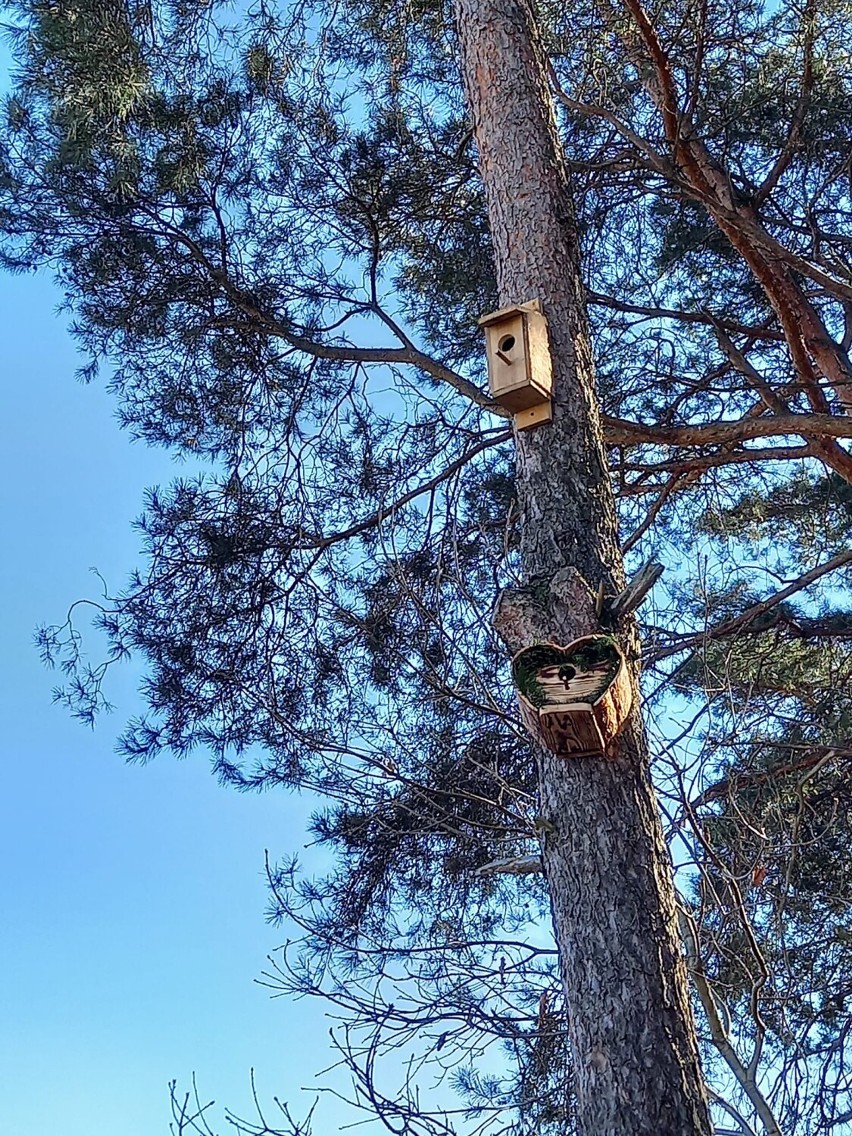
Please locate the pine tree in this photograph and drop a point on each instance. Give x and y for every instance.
(634, 1053)
(278, 229)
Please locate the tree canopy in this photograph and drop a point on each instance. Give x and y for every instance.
(271, 233)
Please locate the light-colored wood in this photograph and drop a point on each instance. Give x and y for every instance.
(578, 692)
(501, 313)
(538, 346)
(520, 375)
(534, 416)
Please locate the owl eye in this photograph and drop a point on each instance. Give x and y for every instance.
(567, 672)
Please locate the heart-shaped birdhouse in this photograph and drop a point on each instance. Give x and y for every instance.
(573, 699)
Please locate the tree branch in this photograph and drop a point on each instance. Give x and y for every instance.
(405, 355)
(831, 453)
(597, 299)
(736, 781)
(636, 591)
(708, 461)
(621, 432)
(786, 156)
(322, 542)
(742, 621)
(718, 1033)
(512, 866)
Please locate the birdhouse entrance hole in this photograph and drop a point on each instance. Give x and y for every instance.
(504, 347)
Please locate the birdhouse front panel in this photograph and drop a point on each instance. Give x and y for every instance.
(573, 699)
(508, 365)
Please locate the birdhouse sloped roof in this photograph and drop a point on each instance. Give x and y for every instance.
(507, 313)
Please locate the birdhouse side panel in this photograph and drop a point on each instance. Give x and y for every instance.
(613, 708)
(538, 346)
(530, 719)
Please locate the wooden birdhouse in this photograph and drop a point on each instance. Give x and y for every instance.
(574, 699)
(520, 376)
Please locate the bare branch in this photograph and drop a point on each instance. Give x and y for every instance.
(718, 1033)
(786, 156)
(596, 299)
(742, 621)
(636, 591)
(322, 542)
(512, 866)
(621, 432)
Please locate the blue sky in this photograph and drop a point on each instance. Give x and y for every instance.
(133, 901)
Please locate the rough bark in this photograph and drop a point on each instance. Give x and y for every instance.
(635, 1054)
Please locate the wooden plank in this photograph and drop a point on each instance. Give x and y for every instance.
(537, 415)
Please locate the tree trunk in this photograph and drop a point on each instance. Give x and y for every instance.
(632, 1035)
